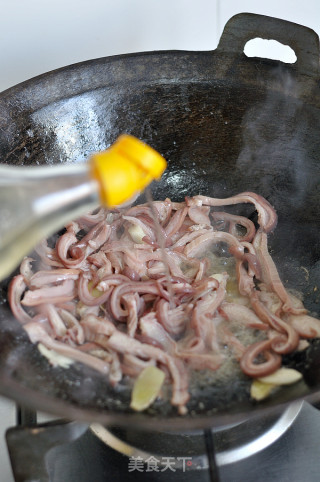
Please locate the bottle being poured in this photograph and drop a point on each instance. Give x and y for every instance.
(35, 202)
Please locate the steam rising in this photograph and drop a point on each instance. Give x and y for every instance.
(273, 143)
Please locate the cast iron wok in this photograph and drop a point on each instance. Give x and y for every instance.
(226, 124)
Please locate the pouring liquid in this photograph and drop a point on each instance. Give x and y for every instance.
(162, 244)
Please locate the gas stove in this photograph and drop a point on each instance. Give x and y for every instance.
(281, 447)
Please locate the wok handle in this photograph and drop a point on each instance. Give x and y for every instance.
(246, 26)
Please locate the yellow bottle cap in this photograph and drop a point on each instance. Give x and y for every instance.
(125, 169)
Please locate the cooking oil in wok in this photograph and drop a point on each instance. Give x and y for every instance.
(35, 202)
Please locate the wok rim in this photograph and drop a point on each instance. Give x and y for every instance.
(41, 402)
(38, 400)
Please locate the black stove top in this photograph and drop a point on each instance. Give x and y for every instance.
(284, 449)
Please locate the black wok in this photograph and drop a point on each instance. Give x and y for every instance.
(226, 123)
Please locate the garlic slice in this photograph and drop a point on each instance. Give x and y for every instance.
(260, 391)
(55, 358)
(136, 233)
(283, 376)
(146, 388)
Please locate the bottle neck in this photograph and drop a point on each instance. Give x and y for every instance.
(65, 193)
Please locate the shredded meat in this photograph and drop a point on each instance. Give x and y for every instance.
(121, 302)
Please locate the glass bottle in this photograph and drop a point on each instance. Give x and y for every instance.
(37, 201)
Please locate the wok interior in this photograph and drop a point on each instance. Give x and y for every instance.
(221, 136)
